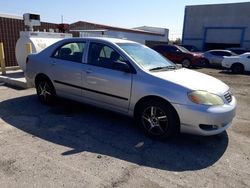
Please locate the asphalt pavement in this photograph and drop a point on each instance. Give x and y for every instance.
(75, 145)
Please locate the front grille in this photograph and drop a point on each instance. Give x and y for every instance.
(228, 97)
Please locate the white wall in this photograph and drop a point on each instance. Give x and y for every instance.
(225, 16)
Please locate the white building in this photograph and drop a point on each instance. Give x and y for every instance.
(217, 26)
(145, 35)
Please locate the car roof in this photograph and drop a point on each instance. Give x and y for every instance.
(186, 45)
(236, 48)
(219, 50)
(162, 45)
(107, 39)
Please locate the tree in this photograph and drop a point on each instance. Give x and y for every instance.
(176, 41)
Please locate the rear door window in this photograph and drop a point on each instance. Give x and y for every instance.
(70, 51)
(221, 53)
(215, 53)
(226, 54)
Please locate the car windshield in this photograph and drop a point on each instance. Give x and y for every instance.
(146, 57)
(183, 49)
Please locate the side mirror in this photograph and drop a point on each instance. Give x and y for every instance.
(121, 66)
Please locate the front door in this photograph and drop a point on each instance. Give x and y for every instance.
(103, 84)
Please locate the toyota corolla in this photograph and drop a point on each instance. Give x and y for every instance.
(132, 79)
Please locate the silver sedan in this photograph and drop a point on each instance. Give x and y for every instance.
(215, 57)
(132, 79)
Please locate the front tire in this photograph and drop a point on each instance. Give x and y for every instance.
(158, 119)
(237, 68)
(45, 91)
(186, 63)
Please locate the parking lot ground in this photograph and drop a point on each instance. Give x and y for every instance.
(75, 145)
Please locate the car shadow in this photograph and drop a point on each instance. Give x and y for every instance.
(85, 128)
(197, 68)
(229, 72)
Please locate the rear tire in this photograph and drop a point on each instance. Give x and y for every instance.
(45, 91)
(157, 119)
(237, 68)
(207, 63)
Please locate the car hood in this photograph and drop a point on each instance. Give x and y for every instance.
(194, 54)
(193, 80)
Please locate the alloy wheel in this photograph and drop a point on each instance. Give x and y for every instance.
(238, 69)
(44, 91)
(155, 120)
(186, 63)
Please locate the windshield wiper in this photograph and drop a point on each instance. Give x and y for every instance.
(162, 68)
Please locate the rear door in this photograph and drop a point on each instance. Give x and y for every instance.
(177, 54)
(103, 84)
(66, 69)
(216, 58)
(173, 54)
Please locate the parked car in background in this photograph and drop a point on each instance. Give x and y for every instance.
(179, 54)
(238, 64)
(238, 51)
(215, 57)
(191, 48)
(132, 79)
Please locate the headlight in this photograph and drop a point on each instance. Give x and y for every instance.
(196, 55)
(205, 98)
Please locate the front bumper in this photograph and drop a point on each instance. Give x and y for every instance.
(225, 66)
(193, 118)
(29, 81)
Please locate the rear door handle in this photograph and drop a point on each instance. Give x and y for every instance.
(53, 63)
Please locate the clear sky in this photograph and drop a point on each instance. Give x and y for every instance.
(121, 13)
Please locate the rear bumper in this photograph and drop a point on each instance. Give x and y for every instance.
(194, 118)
